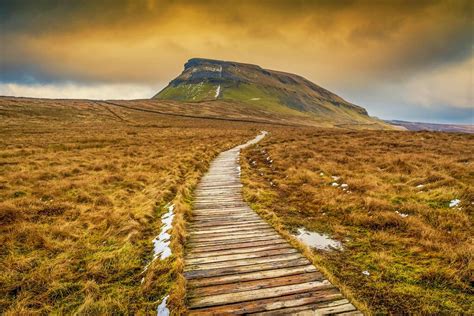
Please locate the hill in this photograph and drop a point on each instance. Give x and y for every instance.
(419, 126)
(269, 90)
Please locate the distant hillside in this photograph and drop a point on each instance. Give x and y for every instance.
(207, 80)
(418, 126)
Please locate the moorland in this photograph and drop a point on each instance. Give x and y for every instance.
(83, 187)
(400, 203)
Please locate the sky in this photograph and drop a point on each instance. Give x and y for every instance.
(409, 60)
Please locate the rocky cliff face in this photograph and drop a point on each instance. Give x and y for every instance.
(206, 79)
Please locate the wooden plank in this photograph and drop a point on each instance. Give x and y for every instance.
(315, 310)
(319, 308)
(231, 239)
(201, 217)
(220, 299)
(216, 219)
(240, 244)
(232, 235)
(221, 209)
(226, 251)
(239, 256)
(256, 284)
(224, 215)
(271, 304)
(242, 262)
(244, 269)
(258, 275)
(219, 229)
(224, 224)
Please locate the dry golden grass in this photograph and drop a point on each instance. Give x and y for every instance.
(418, 264)
(82, 189)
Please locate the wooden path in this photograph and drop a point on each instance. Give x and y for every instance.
(237, 264)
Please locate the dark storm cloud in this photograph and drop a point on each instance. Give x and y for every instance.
(417, 34)
(345, 45)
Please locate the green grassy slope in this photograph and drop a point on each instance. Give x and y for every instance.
(207, 80)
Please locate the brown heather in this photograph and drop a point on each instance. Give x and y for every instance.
(82, 189)
(83, 185)
(418, 264)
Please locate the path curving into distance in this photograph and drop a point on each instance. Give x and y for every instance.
(236, 263)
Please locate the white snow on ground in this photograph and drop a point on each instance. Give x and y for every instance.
(344, 185)
(162, 309)
(161, 243)
(255, 99)
(335, 184)
(454, 202)
(366, 272)
(419, 186)
(218, 91)
(401, 214)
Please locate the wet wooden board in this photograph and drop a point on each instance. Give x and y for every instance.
(236, 263)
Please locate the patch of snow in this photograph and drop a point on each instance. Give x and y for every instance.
(401, 214)
(255, 99)
(161, 243)
(317, 240)
(419, 186)
(218, 91)
(162, 309)
(366, 272)
(344, 185)
(335, 184)
(454, 202)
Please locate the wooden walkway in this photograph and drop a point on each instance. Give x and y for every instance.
(237, 264)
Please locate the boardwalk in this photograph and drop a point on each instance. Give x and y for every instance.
(237, 264)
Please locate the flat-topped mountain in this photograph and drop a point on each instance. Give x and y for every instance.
(207, 79)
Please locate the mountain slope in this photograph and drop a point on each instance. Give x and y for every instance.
(206, 80)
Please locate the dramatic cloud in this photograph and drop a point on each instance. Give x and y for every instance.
(346, 46)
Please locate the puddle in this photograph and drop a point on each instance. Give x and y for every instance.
(162, 309)
(317, 240)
